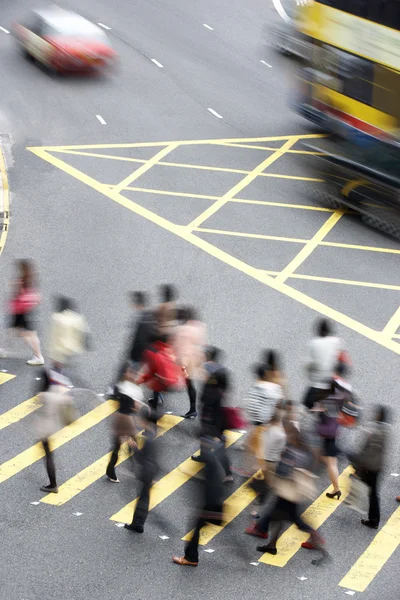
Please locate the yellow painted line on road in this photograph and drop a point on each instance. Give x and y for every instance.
(292, 177)
(249, 146)
(4, 377)
(316, 514)
(36, 452)
(364, 248)
(384, 544)
(6, 202)
(215, 141)
(283, 205)
(221, 255)
(19, 412)
(369, 284)
(309, 247)
(170, 483)
(164, 193)
(394, 323)
(233, 506)
(144, 168)
(96, 470)
(243, 183)
(258, 236)
(107, 156)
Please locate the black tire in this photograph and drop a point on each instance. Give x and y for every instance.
(27, 55)
(327, 195)
(388, 223)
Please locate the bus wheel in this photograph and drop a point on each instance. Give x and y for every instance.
(327, 195)
(389, 224)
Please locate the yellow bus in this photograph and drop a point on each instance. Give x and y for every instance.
(351, 86)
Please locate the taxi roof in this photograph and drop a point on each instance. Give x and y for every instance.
(66, 20)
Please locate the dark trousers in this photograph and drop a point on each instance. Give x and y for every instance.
(374, 513)
(116, 445)
(192, 394)
(222, 457)
(192, 547)
(142, 506)
(50, 468)
(283, 510)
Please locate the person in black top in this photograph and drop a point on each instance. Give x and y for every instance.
(211, 509)
(146, 460)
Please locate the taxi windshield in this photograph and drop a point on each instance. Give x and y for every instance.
(77, 28)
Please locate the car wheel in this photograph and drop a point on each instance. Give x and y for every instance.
(27, 55)
(327, 195)
(389, 223)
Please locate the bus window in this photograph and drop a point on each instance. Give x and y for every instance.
(386, 87)
(358, 82)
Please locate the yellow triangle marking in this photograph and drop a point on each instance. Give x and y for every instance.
(19, 412)
(4, 377)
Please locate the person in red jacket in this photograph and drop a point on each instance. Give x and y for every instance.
(22, 310)
(161, 371)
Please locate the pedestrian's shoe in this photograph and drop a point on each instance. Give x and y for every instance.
(181, 560)
(137, 528)
(49, 489)
(398, 498)
(252, 530)
(190, 415)
(310, 546)
(369, 523)
(196, 458)
(113, 479)
(268, 549)
(227, 479)
(35, 361)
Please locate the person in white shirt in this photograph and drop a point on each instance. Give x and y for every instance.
(68, 333)
(321, 362)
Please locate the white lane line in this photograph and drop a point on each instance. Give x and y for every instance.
(5, 30)
(266, 64)
(104, 26)
(100, 118)
(157, 63)
(208, 27)
(213, 112)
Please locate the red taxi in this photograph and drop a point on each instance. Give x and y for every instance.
(63, 41)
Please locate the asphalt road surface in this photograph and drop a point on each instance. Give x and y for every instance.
(197, 178)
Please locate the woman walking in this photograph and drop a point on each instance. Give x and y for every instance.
(22, 308)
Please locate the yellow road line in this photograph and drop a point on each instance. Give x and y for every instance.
(309, 247)
(365, 248)
(283, 205)
(221, 255)
(270, 149)
(394, 323)
(211, 210)
(316, 514)
(215, 141)
(36, 452)
(99, 155)
(4, 377)
(164, 193)
(381, 286)
(233, 506)
(170, 483)
(19, 412)
(6, 202)
(384, 544)
(293, 177)
(144, 168)
(96, 470)
(258, 236)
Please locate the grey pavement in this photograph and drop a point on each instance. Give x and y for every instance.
(96, 250)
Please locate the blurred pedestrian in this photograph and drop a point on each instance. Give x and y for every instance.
(146, 459)
(166, 312)
(143, 330)
(23, 311)
(323, 354)
(189, 343)
(369, 462)
(130, 399)
(56, 411)
(273, 364)
(211, 505)
(69, 333)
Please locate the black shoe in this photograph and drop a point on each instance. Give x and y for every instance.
(369, 523)
(137, 528)
(50, 489)
(196, 458)
(268, 549)
(190, 415)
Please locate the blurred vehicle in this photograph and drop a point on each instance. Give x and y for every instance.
(63, 41)
(364, 178)
(282, 33)
(350, 86)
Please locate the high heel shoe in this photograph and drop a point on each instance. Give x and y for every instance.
(334, 494)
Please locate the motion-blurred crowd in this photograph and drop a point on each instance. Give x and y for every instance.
(285, 443)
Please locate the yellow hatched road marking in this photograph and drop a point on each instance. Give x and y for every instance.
(316, 514)
(4, 377)
(384, 544)
(283, 205)
(164, 193)
(251, 235)
(96, 470)
(36, 452)
(243, 183)
(144, 168)
(170, 483)
(19, 412)
(310, 246)
(233, 506)
(382, 286)
(392, 326)
(269, 148)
